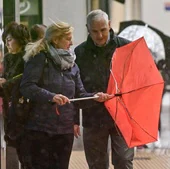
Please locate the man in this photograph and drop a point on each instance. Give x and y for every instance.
(94, 58)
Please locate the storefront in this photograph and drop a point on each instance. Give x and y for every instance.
(28, 12)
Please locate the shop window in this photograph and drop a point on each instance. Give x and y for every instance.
(30, 12)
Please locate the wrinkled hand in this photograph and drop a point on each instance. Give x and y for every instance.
(102, 97)
(60, 99)
(2, 81)
(76, 131)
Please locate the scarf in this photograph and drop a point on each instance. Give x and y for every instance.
(64, 58)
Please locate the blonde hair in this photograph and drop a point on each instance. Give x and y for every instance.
(54, 31)
(57, 30)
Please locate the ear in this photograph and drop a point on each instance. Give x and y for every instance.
(55, 41)
(109, 23)
(87, 28)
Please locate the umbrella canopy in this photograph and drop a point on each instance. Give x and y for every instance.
(135, 75)
(157, 41)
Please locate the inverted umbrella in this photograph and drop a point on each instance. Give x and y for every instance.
(135, 80)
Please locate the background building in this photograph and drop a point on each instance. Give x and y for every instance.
(74, 12)
(29, 12)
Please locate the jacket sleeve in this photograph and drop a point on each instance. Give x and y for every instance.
(33, 72)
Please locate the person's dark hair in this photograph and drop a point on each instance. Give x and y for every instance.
(18, 31)
(37, 32)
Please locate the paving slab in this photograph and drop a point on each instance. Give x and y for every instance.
(144, 159)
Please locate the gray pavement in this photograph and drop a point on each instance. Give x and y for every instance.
(157, 159)
(165, 122)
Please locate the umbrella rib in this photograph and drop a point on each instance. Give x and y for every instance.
(116, 85)
(118, 131)
(141, 88)
(124, 106)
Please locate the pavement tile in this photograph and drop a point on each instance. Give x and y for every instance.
(144, 159)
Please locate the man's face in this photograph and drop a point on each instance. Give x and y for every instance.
(99, 31)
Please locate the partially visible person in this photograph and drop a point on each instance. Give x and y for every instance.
(37, 32)
(94, 58)
(51, 77)
(15, 37)
(1, 61)
(1, 69)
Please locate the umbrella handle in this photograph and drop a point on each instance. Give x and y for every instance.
(84, 98)
(118, 94)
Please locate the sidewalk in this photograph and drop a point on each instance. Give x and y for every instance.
(144, 159)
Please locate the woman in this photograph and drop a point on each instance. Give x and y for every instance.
(50, 79)
(15, 37)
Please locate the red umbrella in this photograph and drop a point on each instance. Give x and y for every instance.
(136, 109)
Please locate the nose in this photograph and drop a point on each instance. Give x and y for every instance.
(100, 35)
(71, 42)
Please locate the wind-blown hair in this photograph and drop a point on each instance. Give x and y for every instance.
(96, 15)
(54, 31)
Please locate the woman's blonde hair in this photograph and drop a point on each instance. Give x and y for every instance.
(57, 30)
(54, 31)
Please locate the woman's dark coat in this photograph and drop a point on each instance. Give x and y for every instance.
(42, 80)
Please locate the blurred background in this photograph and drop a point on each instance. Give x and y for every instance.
(129, 18)
(29, 12)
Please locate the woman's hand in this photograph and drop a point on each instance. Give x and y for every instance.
(2, 81)
(60, 99)
(77, 131)
(102, 97)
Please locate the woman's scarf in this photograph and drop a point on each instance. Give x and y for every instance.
(64, 58)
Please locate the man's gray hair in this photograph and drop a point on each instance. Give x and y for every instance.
(96, 15)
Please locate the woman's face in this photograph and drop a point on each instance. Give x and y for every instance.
(64, 43)
(12, 45)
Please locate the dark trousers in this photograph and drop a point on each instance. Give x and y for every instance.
(38, 150)
(96, 149)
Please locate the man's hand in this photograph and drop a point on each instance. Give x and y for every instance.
(102, 97)
(77, 131)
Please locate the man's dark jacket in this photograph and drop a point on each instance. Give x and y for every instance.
(94, 64)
